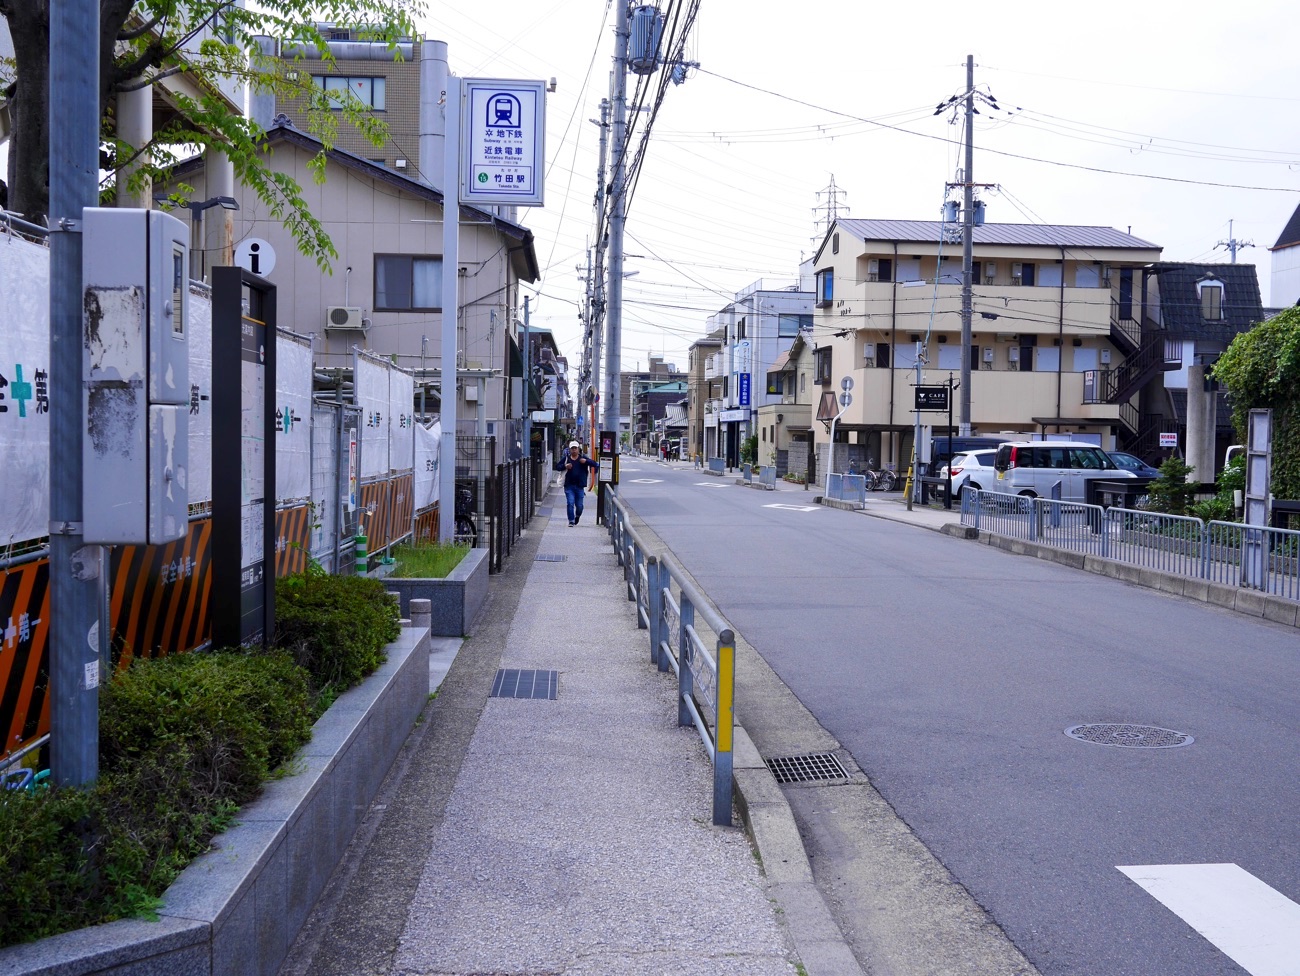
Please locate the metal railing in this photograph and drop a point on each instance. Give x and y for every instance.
(689, 637)
(1251, 556)
(850, 488)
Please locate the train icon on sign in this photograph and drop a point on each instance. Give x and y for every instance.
(504, 111)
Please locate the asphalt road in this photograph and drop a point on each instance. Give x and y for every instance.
(950, 672)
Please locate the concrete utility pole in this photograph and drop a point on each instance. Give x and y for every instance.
(1232, 244)
(596, 278)
(78, 640)
(967, 246)
(618, 213)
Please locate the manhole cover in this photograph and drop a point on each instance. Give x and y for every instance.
(1129, 736)
(549, 558)
(807, 769)
(526, 683)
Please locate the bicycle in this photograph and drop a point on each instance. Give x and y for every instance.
(882, 480)
(466, 530)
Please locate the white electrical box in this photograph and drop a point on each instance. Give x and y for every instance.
(868, 350)
(1013, 354)
(1105, 357)
(988, 354)
(135, 376)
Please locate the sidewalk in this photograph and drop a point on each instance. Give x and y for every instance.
(572, 835)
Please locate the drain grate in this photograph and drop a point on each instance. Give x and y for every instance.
(807, 769)
(549, 558)
(526, 683)
(1129, 736)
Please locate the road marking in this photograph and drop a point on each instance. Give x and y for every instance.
(794, 508)
(1255, 926)
(647, 481)
(709, 484)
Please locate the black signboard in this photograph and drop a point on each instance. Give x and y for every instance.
(931, 397)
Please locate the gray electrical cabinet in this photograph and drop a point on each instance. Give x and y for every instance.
(135, 373)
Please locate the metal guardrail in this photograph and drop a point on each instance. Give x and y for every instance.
(767, 477)
(850, 488)
(676, 615)
(717, 465)
(1257, 557)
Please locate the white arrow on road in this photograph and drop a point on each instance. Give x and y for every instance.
(709, 484)
(1255, 926)
(794, 508)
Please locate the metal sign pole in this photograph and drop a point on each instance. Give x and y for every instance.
(450, 306)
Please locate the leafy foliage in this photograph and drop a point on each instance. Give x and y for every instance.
(1261, 369)
(184, 741)
(145, 42)
(336, 626)
(1171, 492)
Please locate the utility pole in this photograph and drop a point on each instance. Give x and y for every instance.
(1232, 244)
(618, 214)
(77, 585)
(967, 246)
(596, 279)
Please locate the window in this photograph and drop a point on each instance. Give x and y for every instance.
(822, 366)
(740, 329)
(789, 326)
(369, 91)
(775, 384)
(885, 270)
(408, 282)
(1211, 300)
(825, 287)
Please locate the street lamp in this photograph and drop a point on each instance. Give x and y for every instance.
(196, 225)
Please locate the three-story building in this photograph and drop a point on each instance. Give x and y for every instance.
(1053, 307)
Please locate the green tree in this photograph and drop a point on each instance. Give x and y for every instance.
(142, 42)
(1261, 369)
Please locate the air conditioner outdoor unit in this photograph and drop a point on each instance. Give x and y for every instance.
(344, 317)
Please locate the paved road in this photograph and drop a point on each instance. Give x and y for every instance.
(950, 672)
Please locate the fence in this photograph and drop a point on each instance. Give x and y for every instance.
(851, 488)
(668, 606)
(1256, 557)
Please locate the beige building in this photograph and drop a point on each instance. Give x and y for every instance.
(383, 291)
(1055, 309)
(701, 390)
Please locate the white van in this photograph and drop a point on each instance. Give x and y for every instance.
(1031, 468)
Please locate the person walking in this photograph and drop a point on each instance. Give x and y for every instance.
(575, 468)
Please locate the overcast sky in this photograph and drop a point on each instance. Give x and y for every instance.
(1169, 119)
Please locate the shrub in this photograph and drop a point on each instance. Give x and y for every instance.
(336, 626)
(1170, 492)
(183, 741)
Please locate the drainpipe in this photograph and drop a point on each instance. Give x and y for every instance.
(1060, 338)
(893, 329)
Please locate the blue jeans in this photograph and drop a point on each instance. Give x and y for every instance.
(573, 495)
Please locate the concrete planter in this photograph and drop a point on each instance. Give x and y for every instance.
(238, 909)
(455, 601)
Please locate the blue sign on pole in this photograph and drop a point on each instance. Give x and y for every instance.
(744, 389)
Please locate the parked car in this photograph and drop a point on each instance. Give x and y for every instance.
(940, 452)
(1031, 468)
(974, 468)
(1131, 462)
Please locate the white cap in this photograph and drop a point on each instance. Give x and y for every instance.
(575, 444)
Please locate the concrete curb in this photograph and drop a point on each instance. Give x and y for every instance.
(237, 909)
(770, 823)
